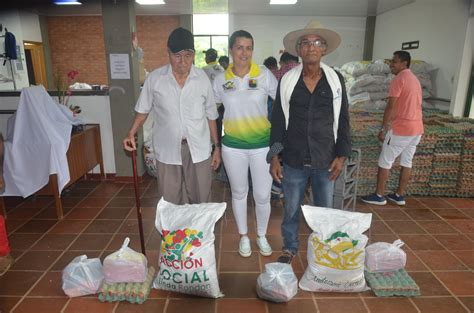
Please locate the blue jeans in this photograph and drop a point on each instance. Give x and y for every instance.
(294, 185)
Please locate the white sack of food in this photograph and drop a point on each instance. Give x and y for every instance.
(336, 250)
(359, 98)
(355, 68)
(187, 256)
(378, 67)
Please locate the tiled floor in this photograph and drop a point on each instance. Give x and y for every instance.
(439, 234)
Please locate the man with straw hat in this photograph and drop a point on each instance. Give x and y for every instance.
(310, 128)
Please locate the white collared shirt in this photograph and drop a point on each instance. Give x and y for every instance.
(179, 113)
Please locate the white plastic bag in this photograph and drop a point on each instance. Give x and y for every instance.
(385, 257)
(187, 257)
(82, 276)
(125, 265)
(336, 250)
(278, 283)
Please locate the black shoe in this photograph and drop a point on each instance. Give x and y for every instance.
(286, 257)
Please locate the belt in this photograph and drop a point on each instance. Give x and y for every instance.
(184, 141)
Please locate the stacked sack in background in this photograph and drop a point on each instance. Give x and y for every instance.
(423, 70)
(367, 82)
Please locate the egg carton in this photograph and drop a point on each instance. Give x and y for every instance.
(131, 292)
(396, 283)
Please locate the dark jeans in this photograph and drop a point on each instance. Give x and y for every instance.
(294, 184)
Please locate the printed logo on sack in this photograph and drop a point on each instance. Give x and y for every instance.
(177, 243)
(338, 252)
(180, 270)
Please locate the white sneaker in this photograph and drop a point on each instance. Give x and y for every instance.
(264, 246)
(244, 247)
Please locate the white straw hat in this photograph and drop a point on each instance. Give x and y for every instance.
(313, 28)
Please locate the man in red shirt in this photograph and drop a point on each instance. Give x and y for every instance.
(401, 129)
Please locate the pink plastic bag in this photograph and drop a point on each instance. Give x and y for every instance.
(125, 266)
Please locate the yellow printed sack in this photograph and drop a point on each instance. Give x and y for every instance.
(336, 250)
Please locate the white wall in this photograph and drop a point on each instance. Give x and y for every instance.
(12, 21)
(439, 25)
(268, 33)
(30, 26)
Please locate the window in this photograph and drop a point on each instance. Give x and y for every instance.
(210, 31)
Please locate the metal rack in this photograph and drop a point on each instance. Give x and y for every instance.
(345, 187)
(7, 59)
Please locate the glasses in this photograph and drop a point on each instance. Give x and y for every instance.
(186, 54)
(319, 43)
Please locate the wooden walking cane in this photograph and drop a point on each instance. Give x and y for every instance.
(137, 200)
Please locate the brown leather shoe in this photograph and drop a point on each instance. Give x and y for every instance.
(5, 263)
(286, 257)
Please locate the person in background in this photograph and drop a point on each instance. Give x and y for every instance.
(401, 129)
(310, 128)
(243, 89)
(180, 98)
(212, 68)
(224, 61)
(272, 65)
(287, 62)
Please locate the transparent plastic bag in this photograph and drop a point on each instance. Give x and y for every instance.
(125, 265)
(82, 276)
(278, 283)
(385, 257)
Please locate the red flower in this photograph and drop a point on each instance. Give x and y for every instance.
(72, 74)
(165, 232)
(196, 242)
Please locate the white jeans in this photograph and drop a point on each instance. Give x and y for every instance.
(394, 146)
(237, 163)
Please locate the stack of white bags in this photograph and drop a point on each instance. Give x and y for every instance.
(367, 82)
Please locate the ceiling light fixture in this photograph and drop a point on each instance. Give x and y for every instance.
(283, 1)
(150, 2)
(67, 2)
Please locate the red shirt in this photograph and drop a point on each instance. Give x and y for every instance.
(408, 120)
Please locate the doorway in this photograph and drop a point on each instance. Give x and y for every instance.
(35, 63)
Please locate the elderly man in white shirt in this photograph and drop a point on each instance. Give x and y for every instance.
(180, 98)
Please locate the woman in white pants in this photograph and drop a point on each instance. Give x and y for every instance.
(244, 89)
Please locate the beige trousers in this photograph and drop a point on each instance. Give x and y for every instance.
(186, 183)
